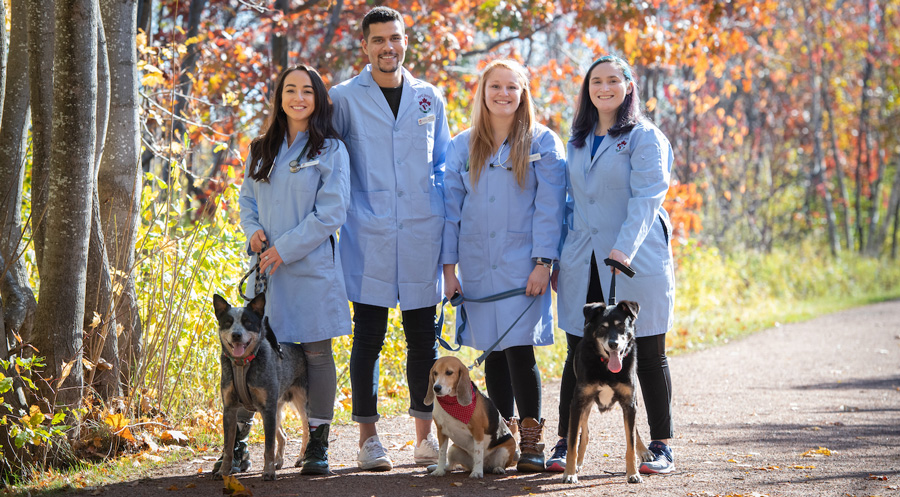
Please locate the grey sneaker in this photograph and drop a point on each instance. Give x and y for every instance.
(664, 461)
(372, 456)
(557, 461)
(426, 453)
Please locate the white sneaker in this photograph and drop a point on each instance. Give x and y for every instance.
(372, 456)
(427, 452)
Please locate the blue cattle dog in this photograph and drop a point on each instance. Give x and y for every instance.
(258, 374)
(605, 371)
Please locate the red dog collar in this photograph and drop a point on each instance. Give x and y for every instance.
(463, 413)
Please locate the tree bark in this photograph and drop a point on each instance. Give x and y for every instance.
(60, 311)
(40, 50)
(818, 183)
(119, 180)
(101, 348)
(280, 41)
(144, 15)
(15, 290)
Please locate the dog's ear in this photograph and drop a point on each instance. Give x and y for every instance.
(258, 304)
(629, 307)
(591, 309)
(220, 305)
(429, 395)
(463, 386)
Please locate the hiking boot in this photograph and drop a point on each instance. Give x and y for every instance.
(315, 459)
(557, 461)
(240, 462)
(426, 453)
(531, 433)
(372, 456)
(663, 461)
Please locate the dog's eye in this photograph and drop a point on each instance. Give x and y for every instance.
(449, 373)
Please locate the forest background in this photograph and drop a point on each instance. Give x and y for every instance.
(125, 122)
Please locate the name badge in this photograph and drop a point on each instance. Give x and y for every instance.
(427, 119)
(534, 157)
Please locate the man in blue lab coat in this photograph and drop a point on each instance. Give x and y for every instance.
(396, 132)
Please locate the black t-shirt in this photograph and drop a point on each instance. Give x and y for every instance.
(393, 98)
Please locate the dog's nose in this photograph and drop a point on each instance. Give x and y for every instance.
(613, 344)
(236, 336)
(437, 388)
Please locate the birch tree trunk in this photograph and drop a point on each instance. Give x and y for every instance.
(119, 180)
(60, 311)
(15, 291)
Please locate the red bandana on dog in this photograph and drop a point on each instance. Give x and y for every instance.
(451, 405)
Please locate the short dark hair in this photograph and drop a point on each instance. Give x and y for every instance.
(628, 115)
(378, 15)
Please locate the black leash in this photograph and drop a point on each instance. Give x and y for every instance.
(261, 283)
(458, 301)
(626, 270)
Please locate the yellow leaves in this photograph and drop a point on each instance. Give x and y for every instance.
(234, 488)
(66, 371)
(799, 466)
(153, 76)
(631, 36)
(821, 451)
(651, 104)
(34, 418)
(174, 437)
(119, 425)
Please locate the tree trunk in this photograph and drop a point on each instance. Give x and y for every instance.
(280, 41)
(819, 185)
(843, 195)
(60, 311)
(101, 348)
(119, 180)
(17, 295)
(144, 14)
(40, 51)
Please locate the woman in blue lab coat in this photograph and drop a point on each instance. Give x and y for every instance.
(295, 196)
(618, 172)
(504, 195)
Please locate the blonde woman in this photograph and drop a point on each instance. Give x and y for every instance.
(504, 196)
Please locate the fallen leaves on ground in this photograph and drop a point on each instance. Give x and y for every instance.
(821, 451)
(234, 488)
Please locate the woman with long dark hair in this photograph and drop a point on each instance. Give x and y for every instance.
(504, 195)
(294, 198)
(618, 172)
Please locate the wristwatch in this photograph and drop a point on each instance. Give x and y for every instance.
(543, 261)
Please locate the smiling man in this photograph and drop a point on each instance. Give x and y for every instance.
(396, 132)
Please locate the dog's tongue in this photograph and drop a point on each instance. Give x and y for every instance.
(239, 349)
(615, 362)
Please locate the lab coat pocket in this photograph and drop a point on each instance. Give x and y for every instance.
(517, 254)
(617, 171)
(306, 179)
(473, 261)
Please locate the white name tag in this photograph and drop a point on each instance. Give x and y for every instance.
(534, 157)
(310, 163)
(427, 119)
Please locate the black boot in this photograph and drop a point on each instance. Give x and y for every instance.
(315, 460)
(240, 463)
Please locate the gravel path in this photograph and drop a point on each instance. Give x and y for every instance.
(746, 412)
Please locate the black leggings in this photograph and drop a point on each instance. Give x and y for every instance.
(515, 366)
(652, 370)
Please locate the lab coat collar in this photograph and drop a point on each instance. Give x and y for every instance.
(407, 96)
(604, 145)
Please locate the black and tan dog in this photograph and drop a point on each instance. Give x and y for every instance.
(261, 375)
(605, 368)
(481, 439)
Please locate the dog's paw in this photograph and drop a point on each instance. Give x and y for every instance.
(635, 478)
(217, 475)
(438, 471)
(647, 456)
(279, 464)
(573, 478)
(267, 476)
(499, 471)
(476, 474)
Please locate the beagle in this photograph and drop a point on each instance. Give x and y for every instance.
(481, 439)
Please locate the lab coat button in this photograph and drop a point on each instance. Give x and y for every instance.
(492, 198)
(400, 194)
(594, 231)
(494, 266)
(493, 234)
(592, 201)
(401, 226)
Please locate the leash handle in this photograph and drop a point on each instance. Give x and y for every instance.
(261, 282)
(457, 301)
(626, 270)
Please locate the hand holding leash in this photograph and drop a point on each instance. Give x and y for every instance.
(451, 282)
(257, 241)
(616, 267)
(537, 281)
(270, 257)
(619, 257)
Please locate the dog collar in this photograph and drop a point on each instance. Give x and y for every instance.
(463, 413)
(243, 361)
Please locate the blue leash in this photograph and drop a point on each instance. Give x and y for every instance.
(457, 301)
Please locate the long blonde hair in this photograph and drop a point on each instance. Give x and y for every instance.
(481, 140)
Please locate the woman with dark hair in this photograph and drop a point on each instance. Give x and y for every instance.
(504, 195)
(294, 198)
(618, 173)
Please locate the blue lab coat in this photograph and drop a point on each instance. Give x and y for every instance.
(494, 229)
(615, 201)
(300, 213)
(391, 241)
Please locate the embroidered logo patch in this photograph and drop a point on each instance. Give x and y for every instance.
(621, 145)
(425, 104)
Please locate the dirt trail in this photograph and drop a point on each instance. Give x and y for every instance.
(745, 413)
